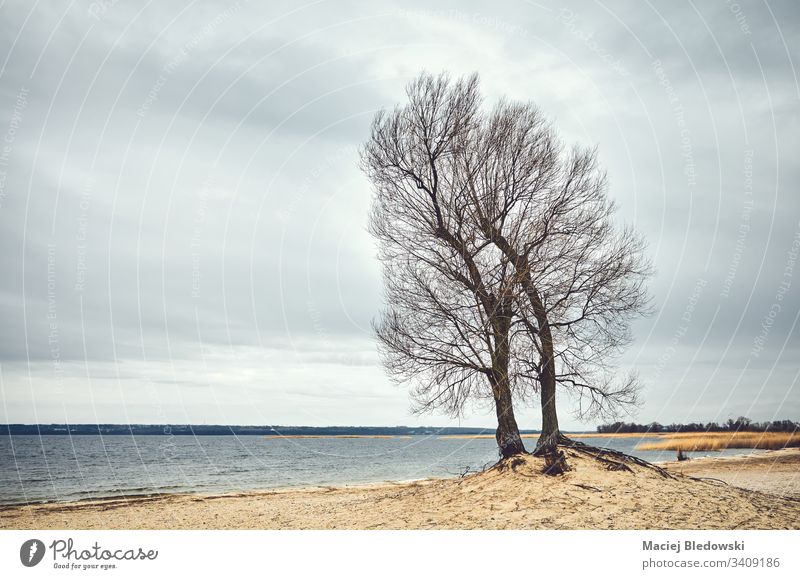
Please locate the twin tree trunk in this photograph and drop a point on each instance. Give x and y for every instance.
(547, 445)
(508, 438)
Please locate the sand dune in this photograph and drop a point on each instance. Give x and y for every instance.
(511, 496)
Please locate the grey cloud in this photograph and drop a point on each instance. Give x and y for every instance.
(221, 218)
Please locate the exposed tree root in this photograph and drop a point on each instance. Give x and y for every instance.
(510, 463)
(613, 459)
(556, 462)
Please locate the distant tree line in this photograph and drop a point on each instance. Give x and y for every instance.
(740, 424)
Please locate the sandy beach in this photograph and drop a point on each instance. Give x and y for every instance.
(757, 492)
(776, 472)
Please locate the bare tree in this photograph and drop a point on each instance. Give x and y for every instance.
(501, 199)
(448, 322)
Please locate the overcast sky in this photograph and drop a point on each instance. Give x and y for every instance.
(183, 222)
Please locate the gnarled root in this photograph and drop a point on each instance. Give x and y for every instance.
(555, 461)
(613, 459)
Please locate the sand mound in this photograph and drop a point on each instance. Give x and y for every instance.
(512, 495)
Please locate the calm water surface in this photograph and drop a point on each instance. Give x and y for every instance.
(66, 468)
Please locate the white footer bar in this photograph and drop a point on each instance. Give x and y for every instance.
(378, 554)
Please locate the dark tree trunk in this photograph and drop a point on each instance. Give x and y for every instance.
(508, 438)
(547, 445)
(548, 440)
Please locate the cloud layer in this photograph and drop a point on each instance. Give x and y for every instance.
(184, 224)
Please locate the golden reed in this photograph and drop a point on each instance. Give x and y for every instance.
(696, 441)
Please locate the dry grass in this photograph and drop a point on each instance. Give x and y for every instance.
(615, 435)
(697, 441)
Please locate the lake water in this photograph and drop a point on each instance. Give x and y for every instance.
(68, 468)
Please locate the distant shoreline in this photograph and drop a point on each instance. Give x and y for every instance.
(238, 430)
(278, 431)
(282, 431)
